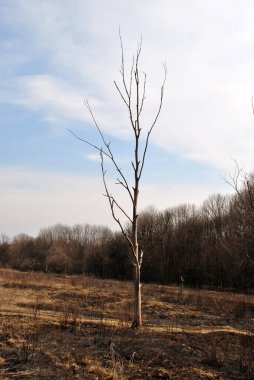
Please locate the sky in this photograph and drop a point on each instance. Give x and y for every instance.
(56, 53)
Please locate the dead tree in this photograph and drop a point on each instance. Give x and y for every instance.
(133, 93)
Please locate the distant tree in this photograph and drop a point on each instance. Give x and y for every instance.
(97, 251)
(117, 258)
(4, 249)
(150, 243)
(243, 185)
(59, 260)
(43, 243)
(133, 94)
(23, 254)
(242, 213)
(215, 216)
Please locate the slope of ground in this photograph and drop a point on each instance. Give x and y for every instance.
(79, 328)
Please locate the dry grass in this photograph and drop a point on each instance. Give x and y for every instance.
(73, 327)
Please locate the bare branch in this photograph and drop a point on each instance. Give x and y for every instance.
(112, 202)
(141, 257)
(107, 145)
(122, 71)
(155, 120)
(244, 193)
(95, 123)
(128, 92)
(250, 195)
(119, 182)
(143, 96)
(88, 143)
(131, 78)
(121, 94)
(136, 74)
(234, 179)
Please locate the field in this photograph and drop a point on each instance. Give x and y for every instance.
(73, 327)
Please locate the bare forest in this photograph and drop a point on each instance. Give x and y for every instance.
(208, 247)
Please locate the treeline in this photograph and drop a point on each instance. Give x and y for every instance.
(211, 246)
(81, 249)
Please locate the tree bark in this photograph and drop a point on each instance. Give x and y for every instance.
(137, 298)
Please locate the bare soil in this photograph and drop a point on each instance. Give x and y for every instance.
(72, 327)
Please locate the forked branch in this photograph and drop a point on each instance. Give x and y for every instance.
(113, 202)
(155, 120)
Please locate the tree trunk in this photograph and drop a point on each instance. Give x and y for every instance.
(137, 298)
(46, 263)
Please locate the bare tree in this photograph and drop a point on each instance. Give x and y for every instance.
(243, 184)
(133, 94)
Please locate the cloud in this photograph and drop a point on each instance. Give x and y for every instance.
(59, 101)
(93, 157)
(206, 115)
(57, 98)
(33, 199)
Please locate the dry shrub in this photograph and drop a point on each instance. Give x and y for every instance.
(117, 363)
(247, 343)
(71, 317)
(246, 355)
(104, 333)
(239, 309)
(230, 305)
(125, 314)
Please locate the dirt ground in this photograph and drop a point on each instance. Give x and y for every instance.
(73, 327)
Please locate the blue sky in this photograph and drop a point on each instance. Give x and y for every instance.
(56, 53)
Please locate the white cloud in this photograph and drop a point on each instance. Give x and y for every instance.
(93, 157)
(207, 114)
(47, 93)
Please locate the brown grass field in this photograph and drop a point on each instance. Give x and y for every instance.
(74, 327)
